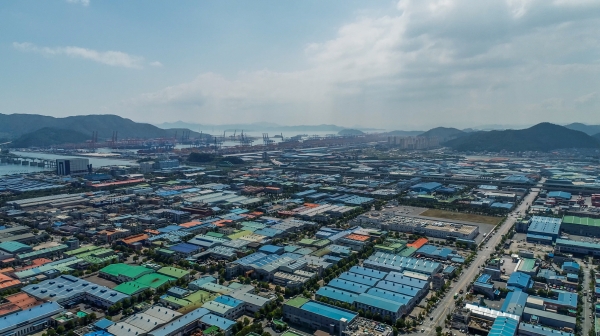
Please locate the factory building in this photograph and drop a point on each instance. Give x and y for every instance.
(543, 229)
(73, 167)
(581, 226)
(68, 290)
(316, 315)
(429, 228)
(577, 247)
(30, 321)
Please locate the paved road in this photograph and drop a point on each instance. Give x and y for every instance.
(446, 306)
(587, 321)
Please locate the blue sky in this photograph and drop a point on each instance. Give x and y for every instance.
(390, 64)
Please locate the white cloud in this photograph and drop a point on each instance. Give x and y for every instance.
(84, 3)
(156, 64)
(112, 58)
(428, 62)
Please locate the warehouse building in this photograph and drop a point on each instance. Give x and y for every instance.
(68, 290)
(577, 247)
(543, 229)
(200, 318)
(30, 321)
(387, 262)
(581, 226)
(318, 316)
(430, 228)
(122, 272)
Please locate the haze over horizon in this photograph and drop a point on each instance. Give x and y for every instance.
(409, 65)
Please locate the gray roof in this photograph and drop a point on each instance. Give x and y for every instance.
(180, 323)
(66, 287)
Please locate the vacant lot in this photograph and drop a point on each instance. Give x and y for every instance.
(458, 216)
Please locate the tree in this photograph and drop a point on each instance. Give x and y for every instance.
(246, 321)
(438, 330)
(60, 329)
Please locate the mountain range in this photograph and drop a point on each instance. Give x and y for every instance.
(13, 126)
(260, 126)
(541, 137)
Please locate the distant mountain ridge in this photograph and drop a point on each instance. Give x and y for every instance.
(587, 129)
(16, 125)
(443, 133)
(260, 126)
(541, 137)
(48, 136)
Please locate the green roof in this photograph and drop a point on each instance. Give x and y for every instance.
(33, 254)
(82, 250)
(154, 280)
(213, 329)
(581, 220)
(307, 241)
(201, 296)
(527, 264)
(176, 300)
(13, 246)
(407, 252)
(215, 234)
(99, 260)
(173, 272)
(130, 288)
(321, 252)
(322, 243)
(129, 271)
(297, 302)
(239, 234)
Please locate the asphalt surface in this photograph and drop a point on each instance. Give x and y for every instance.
(588, 323)
(447, 304)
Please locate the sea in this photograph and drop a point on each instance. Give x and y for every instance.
(9, 169)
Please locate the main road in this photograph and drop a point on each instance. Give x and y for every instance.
(446, 305)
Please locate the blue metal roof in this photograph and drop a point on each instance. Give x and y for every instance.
(545, 226)
(348, 286)
(379, 302)
(368, 272)
(327, 311)
(179, 323)
(228, 300)
(519, 280)
(484, 278)
(406, 280)
(184, 248)
(559, 194)
(531, 329)
(398, 288)
(11, 321)
(359, 278)
(515, 303)
(337, 294)
(271, 249)
(389, 295)
(504, 326)
(103, 324)
(570, 264)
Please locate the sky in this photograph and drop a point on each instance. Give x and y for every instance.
(408, 64)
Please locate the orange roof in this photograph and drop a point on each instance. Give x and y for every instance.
(8, 308)
(9, 260)
(23, 300)
(310, 205)
(35, 263)
(256, 213)
(99, 185)
(7, 270)
(135, 238)
(190, 224)
(358, 237)
(152, 231)
(7, 282)
(418, 243)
